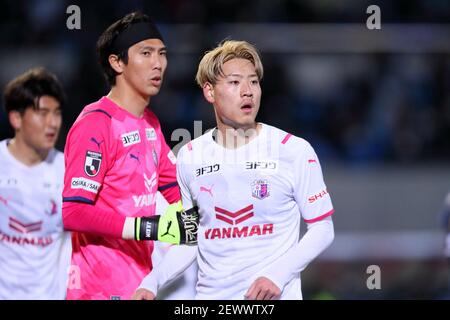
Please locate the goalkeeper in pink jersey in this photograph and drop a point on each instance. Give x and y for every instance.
(116, 160)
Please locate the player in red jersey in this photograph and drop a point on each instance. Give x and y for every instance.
(116, 160)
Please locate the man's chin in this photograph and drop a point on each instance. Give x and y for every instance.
(46, 147)
(153, 91)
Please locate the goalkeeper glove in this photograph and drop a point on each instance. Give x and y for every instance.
(176, 226)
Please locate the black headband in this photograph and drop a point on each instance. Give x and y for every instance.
(135, 33)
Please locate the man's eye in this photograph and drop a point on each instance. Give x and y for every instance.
(163, 53)
(146, 53)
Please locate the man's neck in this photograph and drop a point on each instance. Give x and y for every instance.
(26, 154)
(129, 100)
(233, 138)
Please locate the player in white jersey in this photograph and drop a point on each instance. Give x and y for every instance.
(183, 286)
(34, 250)
(252, 183)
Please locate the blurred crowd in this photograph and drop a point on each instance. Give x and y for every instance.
(354, 108)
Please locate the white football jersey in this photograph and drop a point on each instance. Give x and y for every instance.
(183, 286)
(34, 250)
(251, 200)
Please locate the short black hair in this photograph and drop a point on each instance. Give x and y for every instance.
(25, 90)
(106, 40)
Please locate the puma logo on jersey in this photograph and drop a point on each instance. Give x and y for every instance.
(94, 140)
(205, 189)
(132, 156)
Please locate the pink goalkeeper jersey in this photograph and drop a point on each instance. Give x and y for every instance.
(116, 162)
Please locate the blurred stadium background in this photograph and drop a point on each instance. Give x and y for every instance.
(375, 104)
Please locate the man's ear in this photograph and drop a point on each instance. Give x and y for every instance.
(15, 119)
(208, 92)
(116, 63)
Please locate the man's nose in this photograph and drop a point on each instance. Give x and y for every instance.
(246, 90)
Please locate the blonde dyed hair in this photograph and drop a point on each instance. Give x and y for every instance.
(211, 65)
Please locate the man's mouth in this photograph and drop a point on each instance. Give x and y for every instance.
(50, 135)
(247, 107)
(156, 81)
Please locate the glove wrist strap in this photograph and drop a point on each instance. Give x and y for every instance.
(146, 228)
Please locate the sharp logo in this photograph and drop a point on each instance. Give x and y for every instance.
(234, 218)
(318, 196)
(21, 227)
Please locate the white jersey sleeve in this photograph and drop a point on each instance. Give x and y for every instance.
(178, 258)
(314, 202)
(182, 287)
(318, 237)
(310, 191)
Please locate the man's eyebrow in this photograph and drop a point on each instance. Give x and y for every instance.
(241, 76)
(146, 47)
(45, 108)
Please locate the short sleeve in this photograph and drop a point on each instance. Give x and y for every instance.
(310, 191)
(87, 155)
(167, 183)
